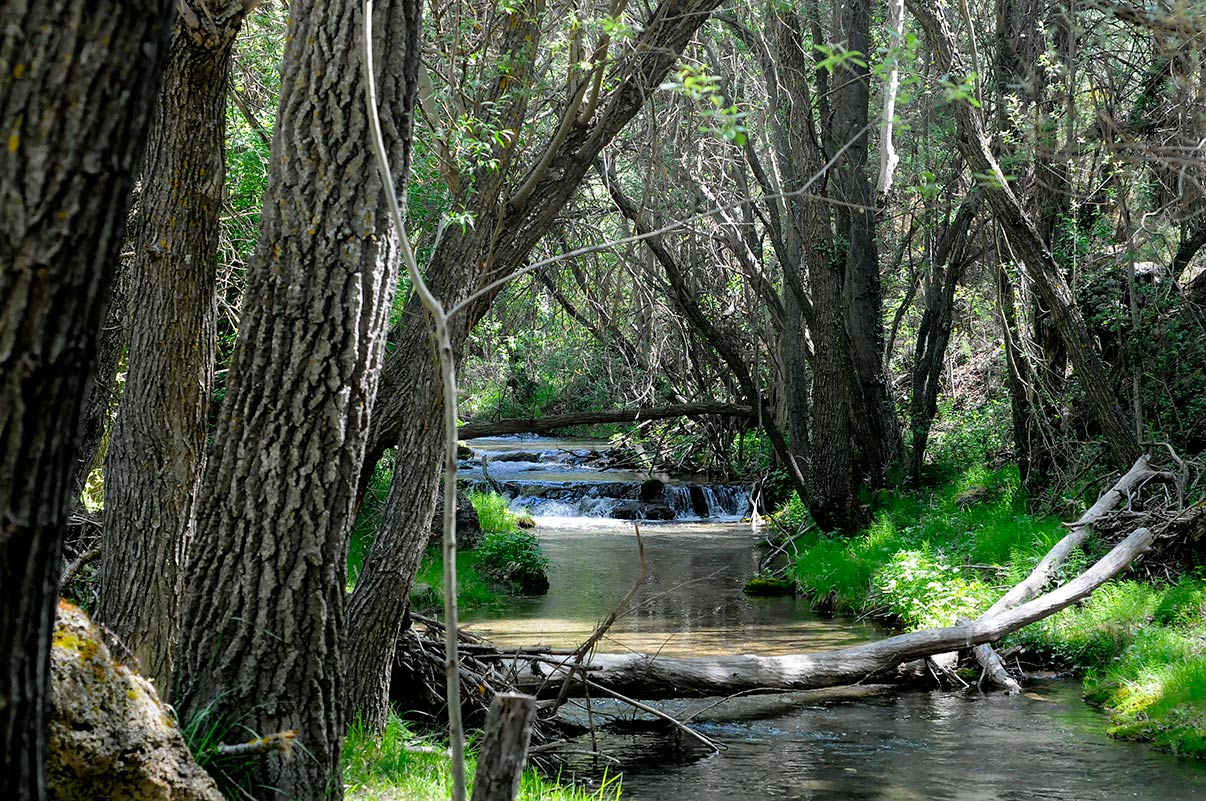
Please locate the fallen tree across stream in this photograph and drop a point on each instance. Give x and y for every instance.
(648, 676)
(543, 425)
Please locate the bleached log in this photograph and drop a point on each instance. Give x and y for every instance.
(651, 676)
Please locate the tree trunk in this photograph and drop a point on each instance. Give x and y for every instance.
(410, 405)
(934, 331)
(263, 616)
(833, 481)
(78, 83)
(1028, 247)
(159, 436)
(504, 747)
(874, 427)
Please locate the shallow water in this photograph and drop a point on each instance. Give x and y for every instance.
(850, 743)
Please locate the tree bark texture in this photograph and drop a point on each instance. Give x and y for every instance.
(833, 479)
(76, 85)
(410, 406)
(263, 616)
(1027, 246)
(504, 747)
(158, 439)
(875, 428)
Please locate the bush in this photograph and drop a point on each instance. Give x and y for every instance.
(514, 559)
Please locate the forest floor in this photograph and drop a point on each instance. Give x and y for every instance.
(935, 555)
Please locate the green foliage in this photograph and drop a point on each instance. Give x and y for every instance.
(473, 590)
(208, 729)
(399, 764)
(494, 513)
(721, 118)
(923, 589)
(514, 559)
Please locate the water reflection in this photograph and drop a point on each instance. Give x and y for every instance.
(846, 744)
(690, 605)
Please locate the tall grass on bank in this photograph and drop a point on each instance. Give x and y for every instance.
(932, 557)
(399, 766)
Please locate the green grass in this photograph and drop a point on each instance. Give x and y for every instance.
(389, 768)
(508, 561)
(933, 556)
(473, 590)
(494, 513)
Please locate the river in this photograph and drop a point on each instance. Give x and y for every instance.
(850, 743)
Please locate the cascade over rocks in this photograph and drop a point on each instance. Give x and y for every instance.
(110, 735)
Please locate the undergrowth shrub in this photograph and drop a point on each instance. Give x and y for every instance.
(514, 559)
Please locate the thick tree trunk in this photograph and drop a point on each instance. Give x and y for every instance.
(263, 617)
(546, 424)
(78, 81)
(1028, 247)
(654, 676)
(159, 436)
(410, 405)
(833, 478)
(875, 427)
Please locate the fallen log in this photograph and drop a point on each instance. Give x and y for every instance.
(542, 425)
(1045, 570)
(650, 676)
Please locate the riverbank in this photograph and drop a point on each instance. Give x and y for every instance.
(401, 766)
(933, 556)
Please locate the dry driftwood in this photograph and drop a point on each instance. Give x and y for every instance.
(647, 676)
(1045, 570)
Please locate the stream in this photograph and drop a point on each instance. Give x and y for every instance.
(850, 743)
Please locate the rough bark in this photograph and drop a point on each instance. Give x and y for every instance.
(158, 437)
(1027, 245)
(653, 676)
(78, 80)
(504, 747)
(874, 427)
(833, 474)
(263, 616)
(552, 423)
(410, 405)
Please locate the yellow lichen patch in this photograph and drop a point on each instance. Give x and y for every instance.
(14, 142)
(83, 646)
(18, 71)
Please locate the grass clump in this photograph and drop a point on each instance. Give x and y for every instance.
(508, 561)
(494, 512)
(392, 768)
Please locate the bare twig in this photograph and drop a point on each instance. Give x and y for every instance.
(281, 742)
(443, 344)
